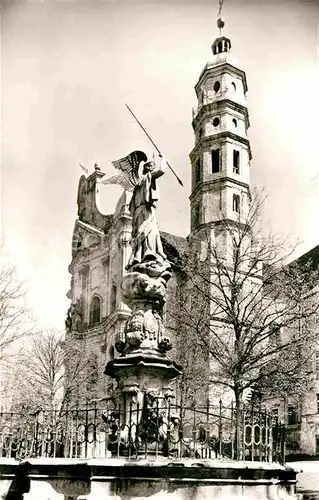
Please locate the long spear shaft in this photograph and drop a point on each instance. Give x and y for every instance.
(150, 138)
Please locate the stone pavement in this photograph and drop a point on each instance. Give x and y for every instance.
(308, 479)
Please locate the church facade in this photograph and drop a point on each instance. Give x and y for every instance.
(100, 253)
(101, 248)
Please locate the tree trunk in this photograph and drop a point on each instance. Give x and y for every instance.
(238, 423)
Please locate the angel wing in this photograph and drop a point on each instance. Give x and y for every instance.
(130, 164)
(120, 179)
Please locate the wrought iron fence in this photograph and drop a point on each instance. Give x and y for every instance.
(161, 429)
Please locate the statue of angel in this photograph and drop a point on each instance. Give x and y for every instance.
(139, 176)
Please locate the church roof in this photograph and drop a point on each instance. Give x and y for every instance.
(312, 256)
(174, 247)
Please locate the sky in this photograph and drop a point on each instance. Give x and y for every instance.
(68, 68)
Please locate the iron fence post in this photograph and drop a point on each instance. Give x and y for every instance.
(36, 430)
(252, 431)
(220, 429)
(94, 430)
(232, 429)
(157, 428)
(137, 428)
(130, 429)
(118, 432)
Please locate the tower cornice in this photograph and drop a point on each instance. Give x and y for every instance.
(206, 141)
(211, 67)
(207, 185)
(218, 106)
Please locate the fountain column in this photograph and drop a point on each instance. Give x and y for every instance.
(143, 370)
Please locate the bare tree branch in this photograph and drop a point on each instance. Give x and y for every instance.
(239, 299)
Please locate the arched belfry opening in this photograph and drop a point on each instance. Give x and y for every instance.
(220, 45)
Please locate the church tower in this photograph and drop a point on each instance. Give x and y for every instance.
(221, 156)
(220, 199)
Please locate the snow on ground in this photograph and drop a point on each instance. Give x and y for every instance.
(308, 477)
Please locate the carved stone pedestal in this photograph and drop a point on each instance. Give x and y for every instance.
(144, 371)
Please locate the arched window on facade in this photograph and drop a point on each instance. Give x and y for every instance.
(95, 310)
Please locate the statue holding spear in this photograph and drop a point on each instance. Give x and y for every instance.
(140, 176)
(143, 343)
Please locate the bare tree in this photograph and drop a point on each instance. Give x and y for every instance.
(193, 384)
(242, 304)
(15, 318)
(54, 372)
